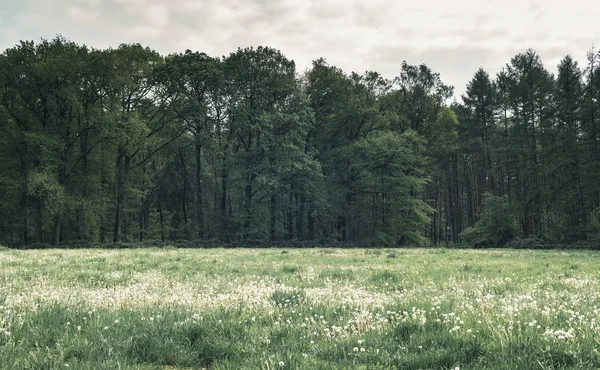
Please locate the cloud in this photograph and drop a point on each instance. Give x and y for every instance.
(453, 38)
(157, 15)
(79, 15)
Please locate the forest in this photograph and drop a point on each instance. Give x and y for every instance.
(125, 145)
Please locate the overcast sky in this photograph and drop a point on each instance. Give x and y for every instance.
(454, 38)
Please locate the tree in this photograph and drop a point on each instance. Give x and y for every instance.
(374, 174)
(125, 142)
(421, 93)
(42, 99)
(565, 160)
(478, 129)
(141, 114)
(532, 114)
(196, 78)
(266, 109)
(590, 126)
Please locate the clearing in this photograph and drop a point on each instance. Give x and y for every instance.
(299, 309)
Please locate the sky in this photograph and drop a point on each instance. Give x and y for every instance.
(454, 38)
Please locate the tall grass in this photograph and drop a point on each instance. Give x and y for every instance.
(261, 309)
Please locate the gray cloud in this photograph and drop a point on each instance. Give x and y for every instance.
(453, 38)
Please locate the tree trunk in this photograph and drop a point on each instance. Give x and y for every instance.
(125, 231)
(442, 229)
(247, 210)
(104, 216)
(434, 234)
(120, 196)
(290, 216)
(142, 219)
(199, 213)
(216, 207)
(24, 205)
(457, 199)
(185, 185)
(508, 173)
(450, 211)
(594, 135)
(273, 216)
(347, 219)
(311, 223)
(162, 223)
(470, 215)
(300, 217)
(57, 227)
(82, 219)
(39, 236)
(527, 212)
(24, 232)
(477, 196)
(223, 201)
(102, 228)
(383, 216)
(84, 191)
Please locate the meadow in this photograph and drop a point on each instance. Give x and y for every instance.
(166, 308)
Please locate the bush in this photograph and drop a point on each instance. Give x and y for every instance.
(529, 243)
(495, 228)
(594, 233)
(471, 235)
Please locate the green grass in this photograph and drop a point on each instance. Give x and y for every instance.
(303, 308)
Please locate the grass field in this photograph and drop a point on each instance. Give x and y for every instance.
(299, 309)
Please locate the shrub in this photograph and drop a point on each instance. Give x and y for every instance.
(529, 243)
(472, 234)
(595, 225)
(496, 226)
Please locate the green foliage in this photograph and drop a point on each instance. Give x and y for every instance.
(472, 235)
(46, 187)
(124, 144)
(496, 226)
(530, 243)
(595, 224)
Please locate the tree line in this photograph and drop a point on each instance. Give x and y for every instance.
(124, 144)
